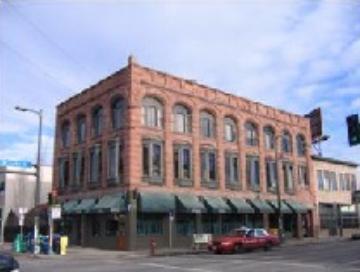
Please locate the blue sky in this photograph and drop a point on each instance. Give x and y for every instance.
(295, 55)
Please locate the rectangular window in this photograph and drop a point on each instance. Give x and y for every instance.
(327, 181)
(64, 172)
(208, 168)
(150, 225)
(185, 226)
(111, 227)
(271, 175)
(95, 227)
(231, 169)
(114, 171)
(253, 172)
(303, 175)
(353, 182)
(342, 182)
(78, 171)
(95, 164)
(152, 161)
(182, 164)
(333, 182)
(288, 177)
(320, 180)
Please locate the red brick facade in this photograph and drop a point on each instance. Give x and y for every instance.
(135, 82)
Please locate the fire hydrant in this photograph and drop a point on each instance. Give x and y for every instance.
(152, 246)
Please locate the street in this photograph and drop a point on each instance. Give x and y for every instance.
(333, 256)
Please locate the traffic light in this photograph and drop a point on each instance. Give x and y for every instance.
(353, 129)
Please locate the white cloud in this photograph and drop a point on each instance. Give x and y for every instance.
(355, 104)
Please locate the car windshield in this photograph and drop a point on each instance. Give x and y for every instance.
(238, 232)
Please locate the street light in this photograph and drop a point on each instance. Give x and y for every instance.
(38, 170)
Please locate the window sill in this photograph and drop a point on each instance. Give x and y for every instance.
(154, 180)
(210, 185)
(184, 183)
(233, 186)
(93, 185)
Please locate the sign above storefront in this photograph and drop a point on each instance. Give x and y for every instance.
(20, 164)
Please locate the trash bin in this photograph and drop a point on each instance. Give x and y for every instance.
(19, 245)
(44, 244)
(64, 240)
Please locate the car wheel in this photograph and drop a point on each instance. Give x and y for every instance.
(238, 249)
(268, 246)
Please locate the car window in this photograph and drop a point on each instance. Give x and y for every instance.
(251, 233)
(260, 233)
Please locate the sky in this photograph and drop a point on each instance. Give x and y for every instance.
(293, 55)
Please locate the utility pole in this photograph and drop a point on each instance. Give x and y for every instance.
(38, 176)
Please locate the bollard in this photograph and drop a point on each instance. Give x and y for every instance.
(152, 246)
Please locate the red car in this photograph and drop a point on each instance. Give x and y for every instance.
(243, 239)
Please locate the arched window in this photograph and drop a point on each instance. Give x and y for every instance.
(229, 129)
(301, 145)
(269, 137)
(152, 112)
(251, 134)
(97, 121)
(182, 119)
(65, 134)
(286, 142)
(207, 123)
(81, 128)
(117, 113)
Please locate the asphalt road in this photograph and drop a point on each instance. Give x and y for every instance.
(331, 257)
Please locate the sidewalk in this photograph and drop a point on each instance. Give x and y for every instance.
(90, 253)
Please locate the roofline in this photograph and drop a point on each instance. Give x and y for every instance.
(335, 161)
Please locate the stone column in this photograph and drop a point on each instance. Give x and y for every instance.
(299, 230)
(131, 222)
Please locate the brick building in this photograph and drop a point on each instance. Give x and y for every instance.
(336, 180)
(144, 154)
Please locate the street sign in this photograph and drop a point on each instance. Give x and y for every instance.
(56, 212)
(20, 164)
(315, 117)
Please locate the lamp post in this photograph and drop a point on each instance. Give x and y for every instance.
(38, 170)
(278, 191)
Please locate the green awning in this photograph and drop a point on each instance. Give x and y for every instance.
(69, 206)
(284, 207)
(298, 207)
(110, 204)
(156, 202)
(261, 205)
(85, 205)
(240, 205)
(217, 204)
(190, 203)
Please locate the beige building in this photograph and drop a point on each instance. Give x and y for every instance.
(18, 191)
(336, 181)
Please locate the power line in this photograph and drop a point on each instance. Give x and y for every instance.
(32, 63)
(45, 36)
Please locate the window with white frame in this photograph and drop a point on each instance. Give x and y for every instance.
(95, 164)
(288, 174)
(271, 175)
(229, 129)
(64, 172)
(269, 138)
(301, 145)
(232, 179)
(207, 124)
(208, 168)
(253, 172)
(65, 134)
(81, 128)
(183, 164)
(286, 142)
(118, 112)
(97, 121)
(320, 178)
(78, 169)
(115, 162)
(182, 119)
(152, 161)
(152, 112)
(303, 175)
(251, 130)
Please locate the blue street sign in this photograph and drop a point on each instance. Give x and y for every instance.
(20, 164)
